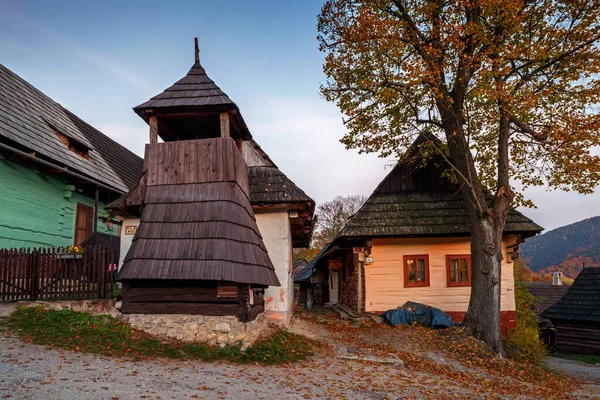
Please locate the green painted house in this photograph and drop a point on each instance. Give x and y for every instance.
(56, 171)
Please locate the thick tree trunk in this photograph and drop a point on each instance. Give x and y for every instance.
(487, 226)
(483, 314)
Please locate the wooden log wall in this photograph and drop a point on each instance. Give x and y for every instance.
(190, 297)
(195, 161)
(575, 337)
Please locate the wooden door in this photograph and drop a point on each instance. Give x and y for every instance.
(334, 287)
(83, 223)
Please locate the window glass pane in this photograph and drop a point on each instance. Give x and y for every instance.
(421, 270)
(453, 270)
(464, 270)
(412, 275)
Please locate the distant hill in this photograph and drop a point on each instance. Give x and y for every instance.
(564, 249)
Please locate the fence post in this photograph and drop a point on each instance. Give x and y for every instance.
(35, 262)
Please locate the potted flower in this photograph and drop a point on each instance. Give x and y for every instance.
(71, 253)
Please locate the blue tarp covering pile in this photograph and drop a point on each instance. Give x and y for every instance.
(420, 313)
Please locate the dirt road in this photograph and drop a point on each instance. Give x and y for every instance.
(33, 372)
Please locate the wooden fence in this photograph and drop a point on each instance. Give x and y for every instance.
(50, 274)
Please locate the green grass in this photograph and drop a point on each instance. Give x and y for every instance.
(588, 359)
(104, 335)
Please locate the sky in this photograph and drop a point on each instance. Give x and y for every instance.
(100, 59)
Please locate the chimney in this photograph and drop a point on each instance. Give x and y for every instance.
(557, 278)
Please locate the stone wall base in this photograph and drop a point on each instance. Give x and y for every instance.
(221, 330)
(212, 330)
(94, 307)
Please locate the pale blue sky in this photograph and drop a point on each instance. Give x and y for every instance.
(100, 59)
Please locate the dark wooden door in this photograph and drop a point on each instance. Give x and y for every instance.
(83, 223)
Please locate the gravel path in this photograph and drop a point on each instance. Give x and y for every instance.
(29, 371)
(575, 369)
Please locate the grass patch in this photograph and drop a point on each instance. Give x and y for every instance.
(588, 359)
(104, 335)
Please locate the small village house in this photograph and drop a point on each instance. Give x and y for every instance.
(56, 171)
(210, 145)
(576, 316)
(410, 241)
(546, 294)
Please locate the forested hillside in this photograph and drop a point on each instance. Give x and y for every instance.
(564, 249)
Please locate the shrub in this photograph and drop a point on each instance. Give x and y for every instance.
(104, 335)
(523, 343)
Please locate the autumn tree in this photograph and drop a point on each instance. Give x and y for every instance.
(332, 217)
(511, 86)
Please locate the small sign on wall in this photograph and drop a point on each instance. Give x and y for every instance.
(130, 229)
(335, 265)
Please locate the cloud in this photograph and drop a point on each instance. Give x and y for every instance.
(17, 18)
(302, 137)
(132, 137)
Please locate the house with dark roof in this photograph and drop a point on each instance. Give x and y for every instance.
(410, 241)
(200, 122)
(576, 316)
(56, 171)
(546, 294)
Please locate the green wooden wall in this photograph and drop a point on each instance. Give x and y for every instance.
(37, 210)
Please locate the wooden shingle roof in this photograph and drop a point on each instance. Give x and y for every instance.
(270, 185)
(193, 90)
(546, 294)
(581, 302)
(30, 119)
(204, 231)
(194, 94)
(414, 199)
(197, 222)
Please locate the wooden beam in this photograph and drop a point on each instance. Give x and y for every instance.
(225, 125)
(153, 129)
(96, 195)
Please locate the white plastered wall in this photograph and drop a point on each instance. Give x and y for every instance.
(127, 236)
(276, 233)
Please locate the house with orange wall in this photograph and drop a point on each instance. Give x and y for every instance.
(410, 241)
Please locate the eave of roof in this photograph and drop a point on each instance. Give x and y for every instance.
(29, 119)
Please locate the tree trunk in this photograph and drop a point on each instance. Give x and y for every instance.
(483, 314)
(487, 226)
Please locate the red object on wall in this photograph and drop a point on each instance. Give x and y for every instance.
(508, 319)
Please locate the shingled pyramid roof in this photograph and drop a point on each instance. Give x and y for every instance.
(194, 95)
(195, 89)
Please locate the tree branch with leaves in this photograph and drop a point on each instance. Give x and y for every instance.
(511, 86)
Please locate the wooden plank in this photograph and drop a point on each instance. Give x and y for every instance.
(209, 309)
(224, 118)
(170, 161)
(151, 160)
(21, 273)
(153, 123)
(103, 271)
(190, 162)
(161, 168)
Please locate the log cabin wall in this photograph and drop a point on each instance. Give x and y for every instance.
(384, 277)
(577, 337)
(195, 161)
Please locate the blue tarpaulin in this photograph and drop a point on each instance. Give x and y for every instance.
(420, 313)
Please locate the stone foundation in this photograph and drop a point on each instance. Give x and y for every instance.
(221, 330)
(94, 307)
(211, 330)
